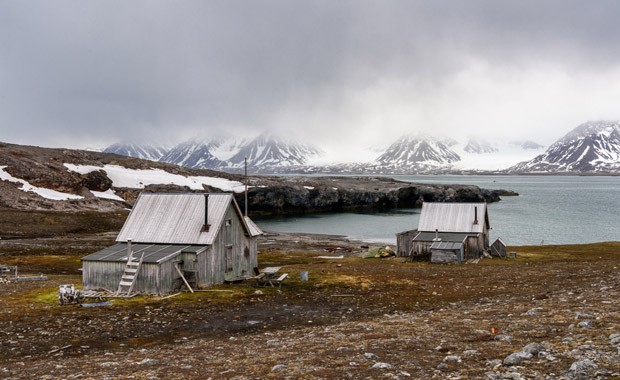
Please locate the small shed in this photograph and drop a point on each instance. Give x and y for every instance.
(464, 223)
(498, 248)
(446, 252)
(421, 244)
(201, 239)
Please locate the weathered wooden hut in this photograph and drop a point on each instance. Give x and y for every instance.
(464, 224)
(498, 248)
(201, 239)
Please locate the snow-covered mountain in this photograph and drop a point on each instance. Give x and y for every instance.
(266, 152)
(272, 151)
(417, 152)
(152, 152)
(476, 146)
(194, 154)
(591, 147)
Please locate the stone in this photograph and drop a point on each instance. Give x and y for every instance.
(380, 365)
(534, 348)
(452, 358)
(277, 367)
(582, 370)
(148, 362)
(516, 358)
(503, 338)
(533, 311)
(585, 324)
(580, 315)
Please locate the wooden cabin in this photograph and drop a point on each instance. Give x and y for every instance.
(464, 225)
(194, 238)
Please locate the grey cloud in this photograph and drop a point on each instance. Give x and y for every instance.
(126, 69)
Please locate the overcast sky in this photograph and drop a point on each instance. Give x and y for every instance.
(90, 73)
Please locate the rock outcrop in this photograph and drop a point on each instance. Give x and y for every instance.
(304, 194)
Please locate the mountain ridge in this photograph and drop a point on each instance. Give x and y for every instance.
(592, 147)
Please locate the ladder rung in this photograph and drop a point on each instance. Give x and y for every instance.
(125, 283)
(129, 278)
(131, 270)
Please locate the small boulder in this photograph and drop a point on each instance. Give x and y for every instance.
(516, 358)
(452, 358)
(534, 348)
(582, 370)
(585, 324)
(380, 365)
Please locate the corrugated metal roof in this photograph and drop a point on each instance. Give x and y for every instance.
(177, 218)
(447, 245)
(252, 227)
(499, 241)
(153, 253)
(452, 217)
(444, 236)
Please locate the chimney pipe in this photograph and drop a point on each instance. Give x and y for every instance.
(206, 225)
(476, 215)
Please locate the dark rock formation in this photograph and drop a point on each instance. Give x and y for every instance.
(304, 194)
(97, 180)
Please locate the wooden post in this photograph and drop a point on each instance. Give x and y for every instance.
(176, 266)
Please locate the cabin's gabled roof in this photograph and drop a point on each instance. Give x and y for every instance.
(179, 218)
(453, 217)
(252, 227)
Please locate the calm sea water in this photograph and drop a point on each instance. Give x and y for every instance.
(553, 210)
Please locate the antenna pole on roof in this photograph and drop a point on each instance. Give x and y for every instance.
(245, 160)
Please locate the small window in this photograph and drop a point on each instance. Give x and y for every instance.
(228, 222)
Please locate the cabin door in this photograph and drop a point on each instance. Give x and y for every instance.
(189, 268)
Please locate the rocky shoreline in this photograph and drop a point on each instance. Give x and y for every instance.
(281, 195)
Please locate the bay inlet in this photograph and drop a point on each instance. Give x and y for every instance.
(548, 210)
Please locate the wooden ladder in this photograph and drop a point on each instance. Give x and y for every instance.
(129, 275)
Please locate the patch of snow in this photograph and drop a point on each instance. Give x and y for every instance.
(309, 187)
(140, 178)
(43, 192)
(109, 194)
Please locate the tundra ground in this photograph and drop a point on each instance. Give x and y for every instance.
(355, 318)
